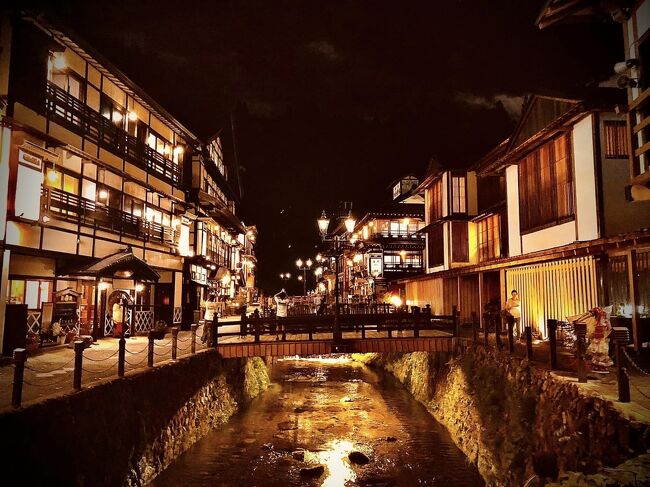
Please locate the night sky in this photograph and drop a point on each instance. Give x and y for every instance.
(333, 100)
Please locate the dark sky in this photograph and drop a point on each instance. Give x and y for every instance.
(333, 100)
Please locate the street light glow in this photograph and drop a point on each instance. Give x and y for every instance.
(299, 263)
(323, 223)
(309, 262)
(350, 223)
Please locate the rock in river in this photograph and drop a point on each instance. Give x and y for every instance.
(358, 458)
(312, 472)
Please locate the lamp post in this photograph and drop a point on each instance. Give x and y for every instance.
(338, 243)
(304, 267)
(285, 276)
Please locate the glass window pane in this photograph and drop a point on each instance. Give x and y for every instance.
(17, 291)
(31, 294)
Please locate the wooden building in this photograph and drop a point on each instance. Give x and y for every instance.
(544, 213)
(91, 167)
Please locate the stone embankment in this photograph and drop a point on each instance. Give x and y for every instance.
(501, 412)
(126, 431)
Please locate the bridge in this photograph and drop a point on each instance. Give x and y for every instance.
(310, 334)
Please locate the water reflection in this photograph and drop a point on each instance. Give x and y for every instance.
(316, 413)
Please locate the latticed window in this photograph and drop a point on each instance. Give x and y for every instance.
(458, 203)
(434, 201)
(546, 185)
(616, 140)
(489, 238)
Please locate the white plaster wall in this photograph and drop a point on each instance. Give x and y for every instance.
(584, 179)
(643, 18)
(549, 237)
(512, 201)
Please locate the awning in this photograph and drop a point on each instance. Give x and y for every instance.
(121, 265)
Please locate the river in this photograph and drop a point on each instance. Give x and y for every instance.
(316, 412)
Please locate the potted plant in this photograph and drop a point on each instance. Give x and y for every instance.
(57, 333)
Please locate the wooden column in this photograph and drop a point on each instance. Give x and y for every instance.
(481, 297)
(633, 286)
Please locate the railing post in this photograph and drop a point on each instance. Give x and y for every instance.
(20, 357)
(580, 330)
(621, 339)
(551, 326)
(474, 331)
(416, 326)
(193, 328)
(78, 363)
(121, 356)
(256, 329)
(214, 327)
(174, 342)
(363, 329)
(455, 320)
(486, 321)
(529, 342)
(497, 332)
(511, 336)
(150, 350)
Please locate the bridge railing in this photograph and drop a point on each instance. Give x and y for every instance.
(295, 327)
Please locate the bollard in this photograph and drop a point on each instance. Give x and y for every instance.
(580, 330)
(174, 342)
(121, 356)
(416, 327)
(78, 363)
(511, 336)
(529, 342)
(256, 329)
(20, 357)
(193, 327)
(486, 321)
(214, 328)
(621, 336)
(475, 326)
(551, 325)
(497, 333)
(363, 330)
(455, 320)
(150, 350)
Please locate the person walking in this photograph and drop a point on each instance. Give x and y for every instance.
(211, 306)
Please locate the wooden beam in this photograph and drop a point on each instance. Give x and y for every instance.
(642, 150)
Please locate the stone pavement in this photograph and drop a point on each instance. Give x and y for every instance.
(50, 372)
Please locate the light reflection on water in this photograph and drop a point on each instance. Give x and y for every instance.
(326, 407)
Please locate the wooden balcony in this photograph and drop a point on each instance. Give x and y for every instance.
(65, 206)
(66, 110)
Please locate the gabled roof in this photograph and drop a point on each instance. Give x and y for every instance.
(571, 11)
(121, 265)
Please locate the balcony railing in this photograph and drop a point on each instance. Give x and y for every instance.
(403, 268)
(69, 112)
(396, 234)
(66, 206)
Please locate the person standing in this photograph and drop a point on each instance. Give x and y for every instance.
(210, 311)
(282, 305)
(513, 311)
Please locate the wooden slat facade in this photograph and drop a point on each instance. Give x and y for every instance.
(323, 347)
(554, 290)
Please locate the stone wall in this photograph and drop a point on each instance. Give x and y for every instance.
(126, 431)
(501, 412)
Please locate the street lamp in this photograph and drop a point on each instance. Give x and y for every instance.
(285, 276)
(304, 267)
(338, 243)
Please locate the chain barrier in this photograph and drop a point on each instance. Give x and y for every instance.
(164, 354)
(102, 359)
(633, 364)
(136, 363)
(136, 352)
(164, 345)
(641, 392)
(43, 371)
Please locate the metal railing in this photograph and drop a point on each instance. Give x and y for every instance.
(76, 116)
